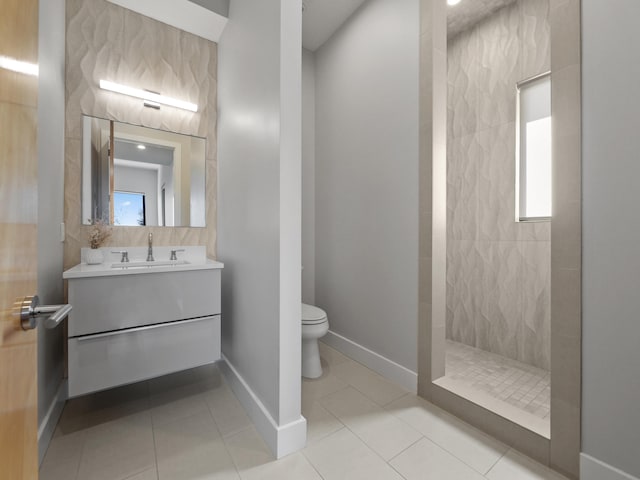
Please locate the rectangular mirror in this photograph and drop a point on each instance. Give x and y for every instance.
(153, 178)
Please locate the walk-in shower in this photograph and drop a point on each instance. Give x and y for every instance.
(498, 261)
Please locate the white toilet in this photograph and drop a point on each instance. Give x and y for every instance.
(314, 325)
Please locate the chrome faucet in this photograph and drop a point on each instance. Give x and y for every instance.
(150, 251)
(125, 255)
(174, 252)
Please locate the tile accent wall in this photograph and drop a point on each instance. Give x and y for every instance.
(105, 41)
(498, 270)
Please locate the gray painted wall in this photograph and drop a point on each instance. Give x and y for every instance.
(367, 179)
(259, 171)
(221, 7)
(50, 194)
(308, 177)
(611, 235)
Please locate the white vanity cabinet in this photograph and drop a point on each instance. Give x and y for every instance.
(135, 323)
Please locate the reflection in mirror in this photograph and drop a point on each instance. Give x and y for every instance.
(153, 178)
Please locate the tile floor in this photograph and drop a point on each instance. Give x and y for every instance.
(190, 426)
(518, 384)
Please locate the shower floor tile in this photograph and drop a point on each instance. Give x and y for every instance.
(500, 382)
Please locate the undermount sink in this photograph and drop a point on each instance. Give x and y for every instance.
(149, 264)
(192, 258)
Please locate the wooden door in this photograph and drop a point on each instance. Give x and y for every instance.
(18, 236)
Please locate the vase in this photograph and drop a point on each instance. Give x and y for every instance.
(93, 256)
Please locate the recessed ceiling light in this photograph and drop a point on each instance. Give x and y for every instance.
(141, 147)
(451, 3)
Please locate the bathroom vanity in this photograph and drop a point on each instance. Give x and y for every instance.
(136, 320)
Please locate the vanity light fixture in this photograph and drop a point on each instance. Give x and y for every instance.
(152, 99)
(18, 66)
(451, 3)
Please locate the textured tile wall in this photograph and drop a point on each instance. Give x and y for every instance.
(498, 271)
(105, 41)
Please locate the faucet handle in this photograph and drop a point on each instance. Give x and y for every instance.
(173, 253)
(125, 255)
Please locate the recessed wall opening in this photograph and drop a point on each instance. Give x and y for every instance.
(500, 197)
(498, 265)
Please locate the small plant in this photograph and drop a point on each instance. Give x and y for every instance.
(99, 232)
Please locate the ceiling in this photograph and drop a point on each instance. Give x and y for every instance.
(469, 12)
(221, 7)
(156, 154)
(321, 18)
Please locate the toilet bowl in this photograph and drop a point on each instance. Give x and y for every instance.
(314, 325)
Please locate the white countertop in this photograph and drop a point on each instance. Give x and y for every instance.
(193, 259)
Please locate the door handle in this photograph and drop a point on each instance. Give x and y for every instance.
(30, 311)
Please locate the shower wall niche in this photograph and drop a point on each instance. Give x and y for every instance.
(498, 270)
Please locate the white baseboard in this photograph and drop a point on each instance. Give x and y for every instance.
(593, 469)
(281, 439)
(389, 369)
(50, 420)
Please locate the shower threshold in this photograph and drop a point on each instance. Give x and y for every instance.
(514, 390)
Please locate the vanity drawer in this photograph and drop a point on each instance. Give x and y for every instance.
(98, 362)
(104, 304)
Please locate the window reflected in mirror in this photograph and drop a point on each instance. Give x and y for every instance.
(129, 209)
(153, 177)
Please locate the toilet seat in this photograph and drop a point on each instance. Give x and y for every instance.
(312, 315)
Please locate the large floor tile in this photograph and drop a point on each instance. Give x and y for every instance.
(470, 445)
(380, 430)
(516, 466)
(58, 471)
(118, 450)
(102, 407)
(320, 422)
(184, 434)
(209, 461)
(192, 448)
(177, 403)
(151, 474)
(425, 459)
(66, 448)
(313, 389)
(342, 456)
(94, 402)
(190, 426)
(63, 456)
(374, 386)
(227, 411)
(331, 355)
(248, 450)
(292, 467)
